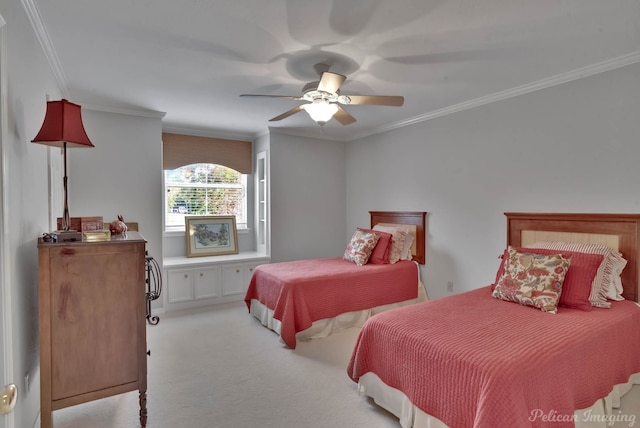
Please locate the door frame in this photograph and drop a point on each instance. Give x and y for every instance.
(6, 348)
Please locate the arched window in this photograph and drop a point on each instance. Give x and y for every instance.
(204, 189)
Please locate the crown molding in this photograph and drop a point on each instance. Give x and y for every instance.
(45, 41)
(52, 57)
(304, 134)
(263, 133)
(201, 132)
(559, 79)
(126, 111)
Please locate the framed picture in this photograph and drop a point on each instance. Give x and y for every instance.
(211, 235)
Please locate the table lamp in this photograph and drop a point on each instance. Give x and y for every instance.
(63, 128)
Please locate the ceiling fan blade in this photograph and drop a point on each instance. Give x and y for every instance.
(331, 82)
(379, 100)
(287, 114)
(343, 116)
(291, 97)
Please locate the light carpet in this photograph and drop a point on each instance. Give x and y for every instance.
(218, 367)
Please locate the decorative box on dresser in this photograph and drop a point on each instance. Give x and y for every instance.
(202, 281)
(92, 307)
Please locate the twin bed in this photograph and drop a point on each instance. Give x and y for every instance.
(472, 360)
(308, 299)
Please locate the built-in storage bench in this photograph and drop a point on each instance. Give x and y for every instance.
(202, 281)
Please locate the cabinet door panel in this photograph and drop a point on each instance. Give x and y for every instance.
(207, 283)
(233, 280)
(94, 316)
(179, 286)
(249, 268)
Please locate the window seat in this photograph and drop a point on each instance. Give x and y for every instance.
(193, 282)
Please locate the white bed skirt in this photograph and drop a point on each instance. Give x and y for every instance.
(328, 326)
(600, 415)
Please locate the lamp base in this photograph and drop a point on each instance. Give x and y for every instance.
(67, 235)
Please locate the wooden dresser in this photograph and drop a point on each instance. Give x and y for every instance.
(92, 303)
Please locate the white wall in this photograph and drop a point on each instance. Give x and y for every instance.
(29, 82)
(568, 148)
(308, 200)
(121, 175)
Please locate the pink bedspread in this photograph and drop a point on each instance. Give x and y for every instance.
(304, 291)
(474, 361)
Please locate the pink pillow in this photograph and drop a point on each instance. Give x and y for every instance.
(398, 235)
(576, 287)
(380, 254)
(608, 275)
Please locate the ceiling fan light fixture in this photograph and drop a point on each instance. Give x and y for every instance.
(321, 111)
(324, 100)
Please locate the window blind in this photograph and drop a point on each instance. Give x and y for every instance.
(180, 150)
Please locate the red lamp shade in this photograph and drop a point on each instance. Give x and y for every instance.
(63, 124)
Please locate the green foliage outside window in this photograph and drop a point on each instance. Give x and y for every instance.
(204, 189)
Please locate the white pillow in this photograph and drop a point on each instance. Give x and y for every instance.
(398, 237)
(406, 251)
(615, 287)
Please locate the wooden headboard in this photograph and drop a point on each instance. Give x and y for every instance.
(413, 220)
(620, 231)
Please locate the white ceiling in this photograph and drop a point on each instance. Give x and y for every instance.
(191, 59)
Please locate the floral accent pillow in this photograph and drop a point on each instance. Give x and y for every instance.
(576, 287)
(532, 279)
(360, 248)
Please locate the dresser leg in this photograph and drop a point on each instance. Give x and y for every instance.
(143, 409)
(46, 419)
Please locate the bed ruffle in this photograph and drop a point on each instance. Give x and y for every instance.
(328, 326)
(599, 415)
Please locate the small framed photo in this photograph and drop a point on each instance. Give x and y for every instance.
(211, 235)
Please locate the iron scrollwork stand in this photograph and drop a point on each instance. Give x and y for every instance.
(154, 286)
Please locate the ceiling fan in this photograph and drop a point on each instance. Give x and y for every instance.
(324, 100)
